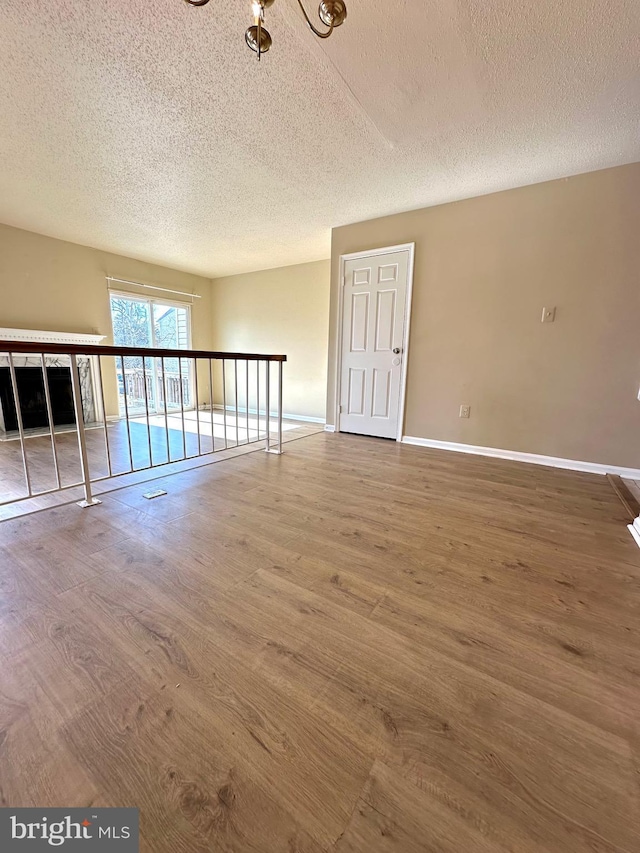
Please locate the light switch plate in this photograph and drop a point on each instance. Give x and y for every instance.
(548, 315)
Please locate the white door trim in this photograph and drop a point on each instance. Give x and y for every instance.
(387, 250)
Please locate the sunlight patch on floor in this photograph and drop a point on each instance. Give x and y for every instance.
(250, 428)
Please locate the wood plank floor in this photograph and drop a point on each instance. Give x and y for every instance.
(170, 443)
(356, 646)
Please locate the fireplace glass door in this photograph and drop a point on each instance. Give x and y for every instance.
(151, 384)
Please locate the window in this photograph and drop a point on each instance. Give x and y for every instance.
(142, 322)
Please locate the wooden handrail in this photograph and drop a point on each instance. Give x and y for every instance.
(145, 352)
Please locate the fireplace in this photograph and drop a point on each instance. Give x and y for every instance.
(33, 403)
(31, 388)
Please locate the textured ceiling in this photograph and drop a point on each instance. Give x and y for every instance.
(146, 127)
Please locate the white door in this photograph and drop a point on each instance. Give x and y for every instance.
(374, 314)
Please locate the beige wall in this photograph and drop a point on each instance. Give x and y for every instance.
(57, 286)
(284, 310)
(485, 268)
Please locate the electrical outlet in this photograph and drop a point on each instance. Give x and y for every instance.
(465, 411)
(548, 315)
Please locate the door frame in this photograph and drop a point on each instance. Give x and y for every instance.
(369, 253)
(156, 300)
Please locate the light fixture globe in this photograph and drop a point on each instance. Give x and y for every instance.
(332, 12)
(251, 38)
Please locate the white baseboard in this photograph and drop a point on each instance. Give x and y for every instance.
(634, 530)
(286, 417)
(519, 456)
(305, 418)
(329, 428)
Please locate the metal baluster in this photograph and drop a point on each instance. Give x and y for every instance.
(213, 438)
(258, 400)
(184, 434)
(166, 408)
(89, 500)
(246, 366)
(235, 388)
(224, 400)
(47, 397)
(104, 417)
(280, 366)
(146, 408)
(195, 374)
(267, 365)
(25, 463)
(126, 412)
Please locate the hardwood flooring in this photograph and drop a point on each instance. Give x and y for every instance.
(170, 443)
(357, 646)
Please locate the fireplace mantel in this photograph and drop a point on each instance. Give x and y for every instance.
(39, 336)
(86, 370)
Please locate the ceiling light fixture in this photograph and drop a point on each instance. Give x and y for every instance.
(332, 14)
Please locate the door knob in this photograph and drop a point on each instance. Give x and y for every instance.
(396, 350)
